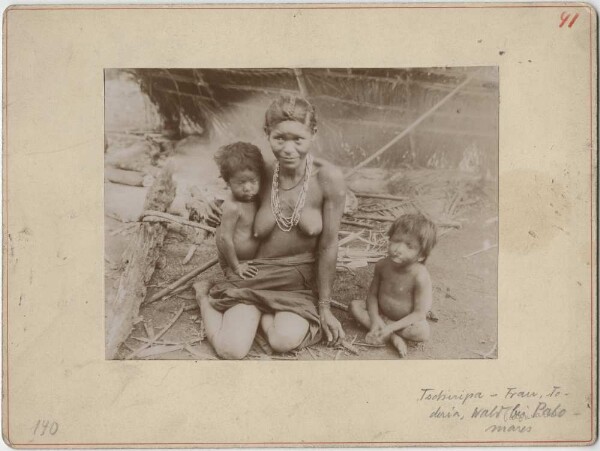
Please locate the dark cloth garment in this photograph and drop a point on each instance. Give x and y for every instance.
(282, 284)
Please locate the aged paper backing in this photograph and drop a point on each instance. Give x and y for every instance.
(54, 366)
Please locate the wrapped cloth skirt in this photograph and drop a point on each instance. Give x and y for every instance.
(282, 284)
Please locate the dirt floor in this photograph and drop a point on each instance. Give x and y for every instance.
(465, 294)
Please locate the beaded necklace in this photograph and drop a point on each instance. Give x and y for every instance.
(286, 223)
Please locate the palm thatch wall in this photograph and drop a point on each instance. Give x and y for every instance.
(359, 110)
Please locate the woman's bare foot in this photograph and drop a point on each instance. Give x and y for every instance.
(202, 288)
(400, 345)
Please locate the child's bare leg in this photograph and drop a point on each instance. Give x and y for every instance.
(400, 345)
(358, 308)
(231, 333)
(417, 332)
(397, 341)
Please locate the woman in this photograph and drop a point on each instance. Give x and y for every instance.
(297, 223)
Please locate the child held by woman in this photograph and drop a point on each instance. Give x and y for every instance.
(242, 167)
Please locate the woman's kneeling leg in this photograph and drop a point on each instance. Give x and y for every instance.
(285, 330)
(235, 337)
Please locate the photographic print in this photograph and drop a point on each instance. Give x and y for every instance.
(301, 213)
(317, 225)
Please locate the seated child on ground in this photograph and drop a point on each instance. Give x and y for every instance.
(400, 294)
(242, 167)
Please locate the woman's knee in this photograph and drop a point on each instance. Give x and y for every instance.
(287, 331)
(230, 350)
(284, 342)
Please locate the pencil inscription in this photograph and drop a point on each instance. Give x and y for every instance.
(45, 426)
(509, 410)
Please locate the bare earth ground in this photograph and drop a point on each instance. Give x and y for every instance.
(465, 299)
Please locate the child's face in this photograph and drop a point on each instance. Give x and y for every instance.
(244, 185)
(404, 248)
(290, 142)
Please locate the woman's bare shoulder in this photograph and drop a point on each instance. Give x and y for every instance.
(329, 174)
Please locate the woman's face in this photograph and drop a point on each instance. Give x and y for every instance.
(290, 142)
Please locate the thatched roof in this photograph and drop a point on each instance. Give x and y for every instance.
(359, 109)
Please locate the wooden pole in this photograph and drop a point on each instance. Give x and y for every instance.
(141, 256)
(301, 82)
(382, 196)
(411, 127)
(187, 277)
(157, 216)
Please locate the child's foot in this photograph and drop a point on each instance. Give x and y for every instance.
(400, 345)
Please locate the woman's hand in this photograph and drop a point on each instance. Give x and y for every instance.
(332, 327)
(246, 271)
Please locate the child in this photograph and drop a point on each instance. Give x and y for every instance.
(400, 294)
(242, 167)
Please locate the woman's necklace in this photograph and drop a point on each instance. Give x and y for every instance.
(286, 223)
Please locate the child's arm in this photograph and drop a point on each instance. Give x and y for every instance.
(423, 299)
(231, 215)
(373, 301)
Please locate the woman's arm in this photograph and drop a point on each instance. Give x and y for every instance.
(334, 194)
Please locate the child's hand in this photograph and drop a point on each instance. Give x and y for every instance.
(378, 334)
(246, 271)
(377, 323)
(373, 338)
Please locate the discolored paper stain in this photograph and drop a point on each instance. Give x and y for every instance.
(535, 209)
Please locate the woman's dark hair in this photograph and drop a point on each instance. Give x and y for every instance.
(237, 157)
(417, 225)
(290, 108)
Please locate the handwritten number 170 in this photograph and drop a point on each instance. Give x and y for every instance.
(43, 426)
(564, 18)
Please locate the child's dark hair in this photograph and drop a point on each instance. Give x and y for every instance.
(237, 157)
(419, 226)
(290, 108)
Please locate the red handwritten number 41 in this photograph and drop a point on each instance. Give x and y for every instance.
(42, 426)
(564, 18)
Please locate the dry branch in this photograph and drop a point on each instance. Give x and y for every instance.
(181, 281)
(199, 354)
(408, 129)
(349, 238)
(382, 196)
(124, 177)
(485, 248)
(141, 256)
(339, 305)
(440, 223)
(356, 223)
(157, 216)
(375, 217)
(158, 350)
(190, 254)
(157, 336)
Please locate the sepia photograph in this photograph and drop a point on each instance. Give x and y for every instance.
(315, 225)
(301, 213)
